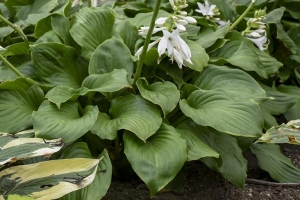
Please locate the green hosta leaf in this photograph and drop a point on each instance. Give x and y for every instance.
(285, 133)
(199, 57)
(16, 149)
(274, 17)
(217, 45)
(98, 188)
(158, 159)
(18, 99)
(209, 39)
(36, 10)
(293, 112)
(164, 94)
(273, 161)
(58, 64)
(111, 54)
(280, 103)
(17, 197)
(61, 26)
(108, 82)
(197, 149)
(128, 33)
(96, 25)
(238, 54)
(50, 36)
(144, 19)
(231, 163)
(132, 113)
(51, 122)
(216, 109)
(49, 179)
(61, 94)
(234, 82)
(76, 150)
(42, 27)
(16, 49)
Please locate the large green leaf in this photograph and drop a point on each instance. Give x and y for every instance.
(273, 161)
(18, 99)
(238, 54)
(214, 108)
(76, 150)
(49, 179)
(234, 82)
(164, 94)
(51, 122)
(61, 26)
(199, 57)
(108, 82)
(293, 112)
(58, 64)
(158, 159)
(209, 39)
(98, 188)
(36, 10)
(196, 148)
(144, 19)
(131, 112)
(274, 17)
(16, 147)
(231, 163)
(128, 33)
(96, 25)
(285, 133)
(111, 54)
(280, 103)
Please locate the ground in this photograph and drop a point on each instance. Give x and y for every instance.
(205, 184)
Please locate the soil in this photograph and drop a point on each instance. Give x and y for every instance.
(205, 184)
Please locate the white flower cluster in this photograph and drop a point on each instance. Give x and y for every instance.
(171, 41)
(210, 11)
(255, 30)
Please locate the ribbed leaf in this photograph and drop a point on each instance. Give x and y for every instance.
(96, 25)
(217, 110)
(18, 99)
(51, 122)
(158, 159)
(132, 113)
(273, 161)
(111, 54)
(196, 148)
(164, 94)
(197, 52)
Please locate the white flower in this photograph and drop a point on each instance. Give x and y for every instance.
(95, 4)
(160, 21)
(144, 30)
(176, 47)
(188, 19)
(139, 51)
(206, 9)
(262, 42)
(221, 23)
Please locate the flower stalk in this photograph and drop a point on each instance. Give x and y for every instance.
(7, 63)
(147, 41)
(16, 28)
(242, 16)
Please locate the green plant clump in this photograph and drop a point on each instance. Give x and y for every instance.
(95, 89)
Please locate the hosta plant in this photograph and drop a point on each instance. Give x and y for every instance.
(95, 89)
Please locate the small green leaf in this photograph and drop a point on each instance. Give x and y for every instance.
(197, 149)
(199, 57)
(209, 39)
(61, 94)
(18, 99)
(51, 122)
(158, 159)
(76, 150)
(96, 24)
(111, 54)
(164, 94)
(132, 113)
(273, 161)
(108, 82)
(215, 109)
